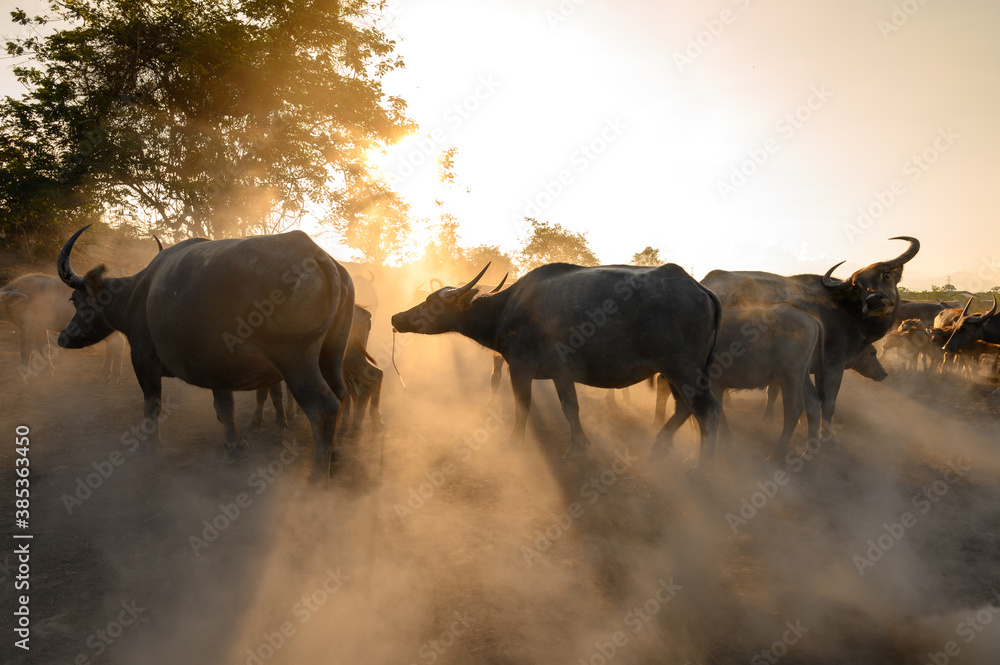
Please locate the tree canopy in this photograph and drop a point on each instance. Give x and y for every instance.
(551, 243)
(648, 257)
(212, 118)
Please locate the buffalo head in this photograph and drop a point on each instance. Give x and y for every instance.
(969, 327)
(91, 296)
(875, 286)
(867, 364)
(441, 311)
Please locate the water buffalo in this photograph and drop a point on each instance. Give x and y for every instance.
(946, 317)
(607, 326)
(235, 314)
(854, 312)
(761, 346)
(917, 335)
(865, 363)
(925, 310)
(970, 327)
(37, 304)
(363, 376)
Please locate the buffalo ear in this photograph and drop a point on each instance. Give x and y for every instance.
(94, 281)
(13, 297)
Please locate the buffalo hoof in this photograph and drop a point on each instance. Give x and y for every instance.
(576, 451)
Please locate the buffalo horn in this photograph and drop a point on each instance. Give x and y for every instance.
(66, 274)
(159, 244)
(832, 282)
(907, 255)
(500, 285)
(462, 290)
(993, 310)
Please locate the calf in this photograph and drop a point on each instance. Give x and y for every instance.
(767, 345)
(37, 304)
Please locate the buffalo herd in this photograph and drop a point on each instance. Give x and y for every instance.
(268, 311)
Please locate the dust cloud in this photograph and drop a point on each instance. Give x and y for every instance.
(439, 541)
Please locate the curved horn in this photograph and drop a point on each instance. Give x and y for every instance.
(462, 290)
(830, 282)
(158, 244)
(993, 310)
(439, 286)
(371, 276)
(66, 274)
(500, 285)
(907, 255)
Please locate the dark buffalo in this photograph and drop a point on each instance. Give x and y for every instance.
(37, 304)
(970, 327)
(227, 315)
(761, 346)
(363, 376)
(865, 363)
(925, 310)
(918, 336)
(608, 327)
(854, 312)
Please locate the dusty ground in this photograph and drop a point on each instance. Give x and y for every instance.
(440, 542)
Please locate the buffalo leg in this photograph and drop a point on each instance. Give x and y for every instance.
(520, 382)
(662, 391)
(812, 405)
(151, 385)
(772, 397)
(792, 402)
(257, 419)
(665, 438)
(571, 409)
(112, 369)
(34, 344)
(225, 411)
(349, 406)
(363, 394)
(706, 408)
(369, 387)
(321, 406)
(829, 391)
(496, 376)
(279, 407)
(376, 375)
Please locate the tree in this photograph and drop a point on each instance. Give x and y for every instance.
(377, 226)
(501, 263)
(222, 118)
(551, 243)
(648, 257)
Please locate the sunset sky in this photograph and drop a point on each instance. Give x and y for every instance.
(686, 93)
(740, 134)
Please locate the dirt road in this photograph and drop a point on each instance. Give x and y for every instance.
(441, 542)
